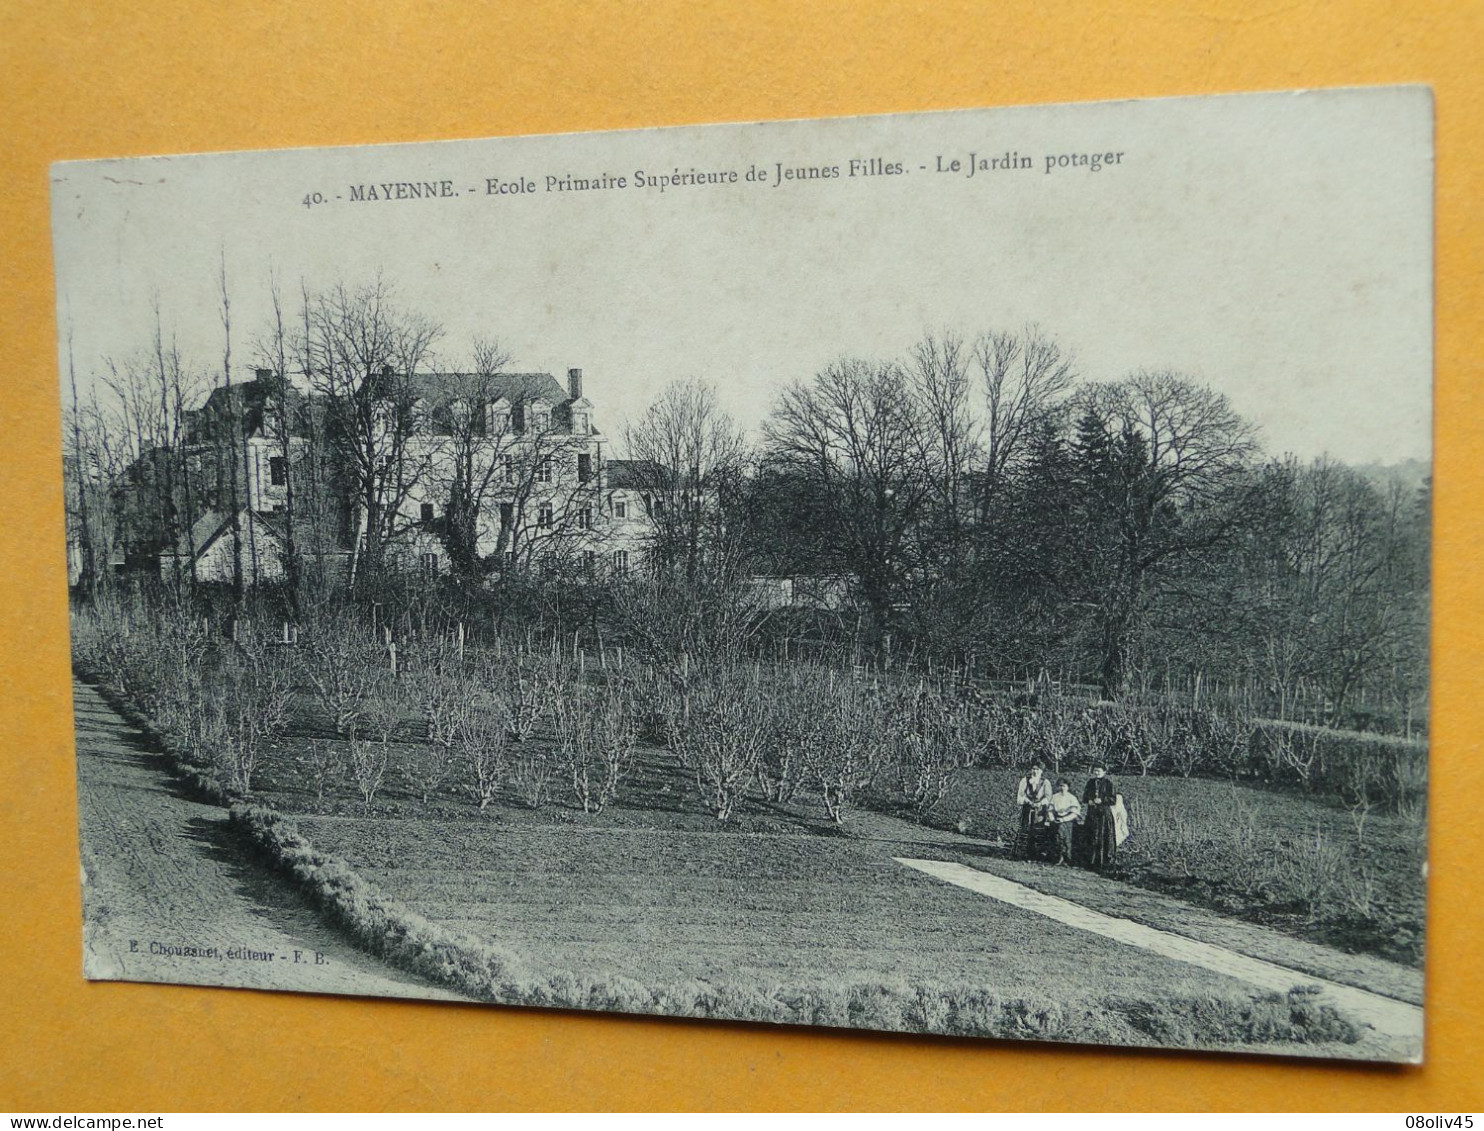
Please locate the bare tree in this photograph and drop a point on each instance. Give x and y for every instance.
(79, 485)
(1342, 592)
(472, 461)
(856, 436)
(1026, 376)
(146, 435)
(688, 455)
(279, 420)
(549, 508)
(236, 440)
(1163, 480)
(941, 384)
(362, 354)
(319, 493)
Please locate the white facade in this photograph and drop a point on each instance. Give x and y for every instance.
(539, 466)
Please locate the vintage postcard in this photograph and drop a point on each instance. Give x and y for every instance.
(959, 573)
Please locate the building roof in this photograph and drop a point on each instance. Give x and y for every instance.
(211, 525)
(636, 474)
(245, 404)
(445, 388)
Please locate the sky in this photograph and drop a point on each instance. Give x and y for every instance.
(1277, 247)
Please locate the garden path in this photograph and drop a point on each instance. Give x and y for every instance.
(1395, 1026)
(162, 870)
(895, 837)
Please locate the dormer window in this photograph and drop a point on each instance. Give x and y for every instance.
(540, 420)
(462, 420)
(497, 419)
(579, 423)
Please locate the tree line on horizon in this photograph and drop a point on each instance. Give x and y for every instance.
(975, 502)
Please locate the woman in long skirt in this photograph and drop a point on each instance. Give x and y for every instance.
(1032, 794)
(1100, 830)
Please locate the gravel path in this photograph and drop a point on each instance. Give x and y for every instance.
(1395, 1027)
(170, 895)
(898, 838)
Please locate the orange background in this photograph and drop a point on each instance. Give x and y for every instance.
(95, 79)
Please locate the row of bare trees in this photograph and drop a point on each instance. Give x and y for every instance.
(987, 503)
(973, 500)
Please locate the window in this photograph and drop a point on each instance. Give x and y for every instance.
(544, 515)
(427, 512)
(509, 464)
(659, 507)
(620, 561)
(543, 470)
(585, 518)
(620, 508)
(278, 472)
(496, 420)
(429, 564)
(589, 560)
(579, 422)
(507, 515)
(584, 468)
(540, 421)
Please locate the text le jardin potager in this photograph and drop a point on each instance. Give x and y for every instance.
(775, 176)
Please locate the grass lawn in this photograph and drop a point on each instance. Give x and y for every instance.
(654, 907)
(780, 913)
(1276, 858)
(1284, 860)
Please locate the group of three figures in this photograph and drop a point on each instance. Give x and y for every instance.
(1055, 825)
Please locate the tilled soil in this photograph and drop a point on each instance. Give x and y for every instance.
(171, 895)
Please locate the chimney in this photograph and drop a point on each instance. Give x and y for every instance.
(574, 383)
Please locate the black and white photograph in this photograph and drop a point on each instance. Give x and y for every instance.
(959, 573)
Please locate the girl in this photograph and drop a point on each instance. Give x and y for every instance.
(1064, 814)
